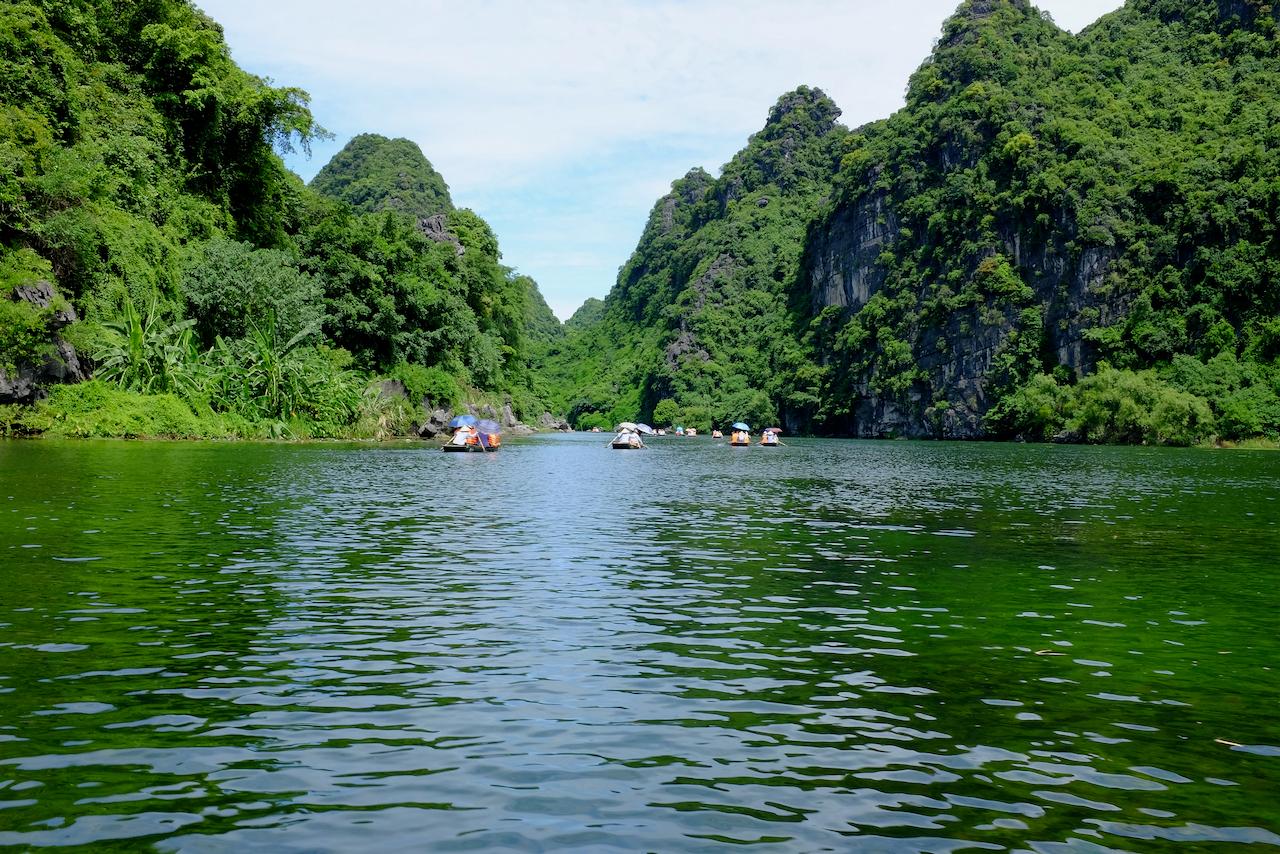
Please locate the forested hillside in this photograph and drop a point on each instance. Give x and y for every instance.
(699, 329)
(1058, 236)
(151, 237)
(1061, 235)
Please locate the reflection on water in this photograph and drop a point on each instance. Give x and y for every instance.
(835, 645)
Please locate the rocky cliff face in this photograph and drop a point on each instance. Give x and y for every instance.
(841, 264)
(1044, 202)
(61, 364)
(957, 354)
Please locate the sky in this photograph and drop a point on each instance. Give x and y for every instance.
(561, 122)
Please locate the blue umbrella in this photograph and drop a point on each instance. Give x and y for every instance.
(645, 429)
(738, 425)
(488, 426)
(463, 421)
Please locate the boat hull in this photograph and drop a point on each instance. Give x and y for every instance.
(623, 446)
(465, 449)
(741, 444)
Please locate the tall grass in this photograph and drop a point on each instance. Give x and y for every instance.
(286, 387)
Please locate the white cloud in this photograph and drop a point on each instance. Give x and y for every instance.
(579, 107)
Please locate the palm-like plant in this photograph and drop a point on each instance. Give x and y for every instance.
(275, 372)
(148, 355)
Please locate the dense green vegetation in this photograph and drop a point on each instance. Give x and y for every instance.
(140, 174)
(1077, 240)
(1147, 146)
(373, 173)
(1058, 237)
(698, 329)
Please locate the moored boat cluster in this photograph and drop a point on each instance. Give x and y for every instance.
(484, 436)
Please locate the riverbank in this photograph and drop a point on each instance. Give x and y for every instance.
(100, 410)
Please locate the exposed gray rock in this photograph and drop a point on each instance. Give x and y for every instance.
(958, 354)
(436, 423)
(391, 389)
(841, 264)
(437, 228)
(42, 295)
(547, 421)
(61, 364)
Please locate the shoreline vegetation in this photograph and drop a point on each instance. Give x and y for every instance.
(1059, 238)
(99, 410)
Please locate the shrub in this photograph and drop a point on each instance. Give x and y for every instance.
(227, 284)
(664, 414)
(99, 409)
(1133, 407)
(588, 420)
(431, 384)
(24, 333)
(1033, 411)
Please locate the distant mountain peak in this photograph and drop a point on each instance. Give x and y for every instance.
(373, 173)
(804, 106)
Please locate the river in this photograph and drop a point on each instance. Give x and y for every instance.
(832, 645)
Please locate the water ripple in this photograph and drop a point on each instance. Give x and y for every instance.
(881, 647)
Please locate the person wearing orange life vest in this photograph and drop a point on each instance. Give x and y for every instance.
(473, 436)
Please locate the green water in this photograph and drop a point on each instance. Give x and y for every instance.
(828, 646)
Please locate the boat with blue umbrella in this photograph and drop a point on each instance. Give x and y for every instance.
(490, 434)
(467, 435)
(741, 437)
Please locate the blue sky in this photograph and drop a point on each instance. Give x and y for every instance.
(561, 122)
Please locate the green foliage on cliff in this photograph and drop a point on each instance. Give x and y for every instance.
(1045, 241)
(1064, 202)
(140, 173)
(701, 315)
(373, 174)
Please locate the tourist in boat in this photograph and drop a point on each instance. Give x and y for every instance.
(628, 437)
(769, 438)
(716, 434)
(466, 436)
(489, 435)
